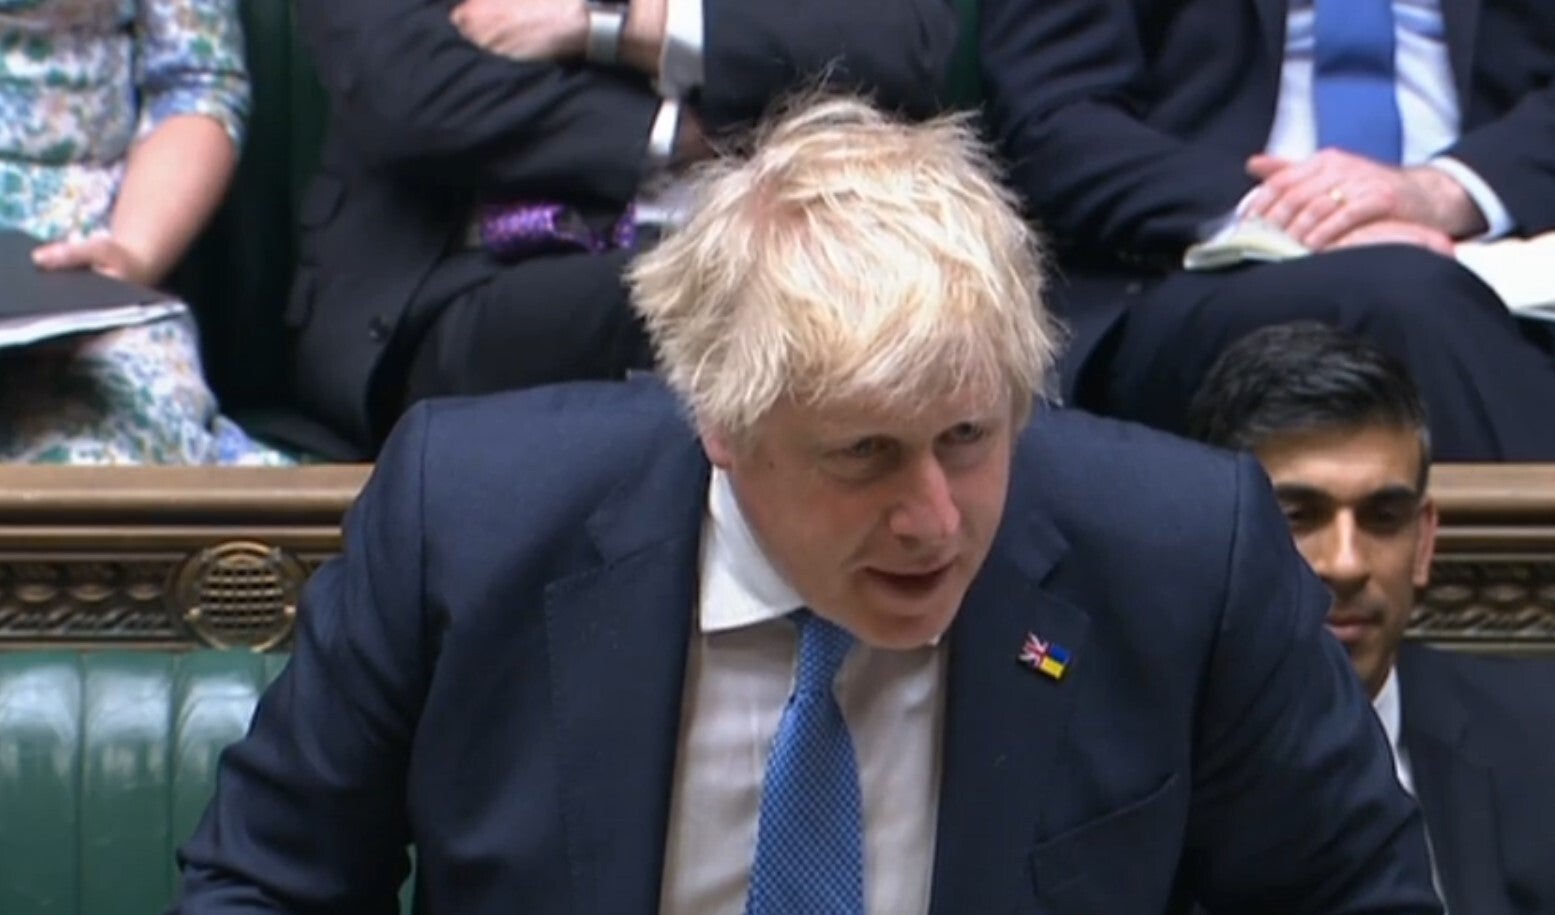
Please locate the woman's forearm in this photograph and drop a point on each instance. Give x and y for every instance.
(173, 181)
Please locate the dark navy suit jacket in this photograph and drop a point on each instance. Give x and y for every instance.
(1127, 123)
(1480, 733)
(493, 672)
(423, 125)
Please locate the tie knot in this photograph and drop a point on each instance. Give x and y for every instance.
(822, 647)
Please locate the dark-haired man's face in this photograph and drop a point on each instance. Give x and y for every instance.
(1351, 500)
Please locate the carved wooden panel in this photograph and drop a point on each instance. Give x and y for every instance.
(1508, 599)
(178, 557)
(93, 597)
(239, 593)
(163, 557)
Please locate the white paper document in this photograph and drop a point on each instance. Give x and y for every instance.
(39, 305)
(1240, 241)
(27, 330)
(1520, 270)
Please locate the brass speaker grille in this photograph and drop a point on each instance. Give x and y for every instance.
(240, 594)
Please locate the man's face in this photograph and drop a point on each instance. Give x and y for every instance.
(880, 521)
(1351, 499)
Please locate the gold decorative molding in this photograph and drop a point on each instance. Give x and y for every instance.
(1493, 581)
(239, 594)
(163, 557)
(233, 594)
(179, 557)
(92, 598)
(1508, 599)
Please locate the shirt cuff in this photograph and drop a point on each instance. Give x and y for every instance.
(661, 136)
(1497, 217)
(680, 62)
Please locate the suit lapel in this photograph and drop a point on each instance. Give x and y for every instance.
(1454, 790)
(617, 636)
(1271, 21)
(1003, 724)
(1460, 19)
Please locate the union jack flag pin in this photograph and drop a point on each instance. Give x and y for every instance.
(1046, 658)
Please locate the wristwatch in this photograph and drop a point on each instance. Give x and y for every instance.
(606, 23)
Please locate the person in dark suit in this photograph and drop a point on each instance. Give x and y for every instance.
(1340, 429)
(819, 623)
(1376, 133)
(490, 168)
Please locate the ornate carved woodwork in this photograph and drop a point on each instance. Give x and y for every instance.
(170, 557)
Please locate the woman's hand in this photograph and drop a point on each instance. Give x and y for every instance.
(99, 252)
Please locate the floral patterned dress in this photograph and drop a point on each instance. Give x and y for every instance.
(80, 80)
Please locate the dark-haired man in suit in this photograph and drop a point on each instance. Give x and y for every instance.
(1341, 431)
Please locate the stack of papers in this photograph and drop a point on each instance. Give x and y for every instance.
(38, 304)
(1242, 240)
(1520, 270)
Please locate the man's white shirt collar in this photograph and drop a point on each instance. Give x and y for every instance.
(1389, 706)
(740, 587)
(1390, 712)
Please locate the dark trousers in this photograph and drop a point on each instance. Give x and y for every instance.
(481, 325)
(1488, 380)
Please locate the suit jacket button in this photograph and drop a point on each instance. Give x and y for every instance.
(1134, 288)
(377, 330)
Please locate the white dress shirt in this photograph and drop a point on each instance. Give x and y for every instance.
(1390, 711)
(1427, 99)
(680, 62)
(663, 201)
(739, 674)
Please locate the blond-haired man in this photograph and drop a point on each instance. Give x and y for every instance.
(836, 623)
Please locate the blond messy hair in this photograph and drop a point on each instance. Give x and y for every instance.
(849, 258)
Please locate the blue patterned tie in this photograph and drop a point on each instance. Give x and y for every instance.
(1353, 90)
(810, 836)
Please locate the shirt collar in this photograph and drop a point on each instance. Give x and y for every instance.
(740, 587)
(1390, 712)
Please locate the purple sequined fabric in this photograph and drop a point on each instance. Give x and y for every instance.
(516, 230)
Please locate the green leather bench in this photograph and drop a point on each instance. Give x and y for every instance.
(107, 760)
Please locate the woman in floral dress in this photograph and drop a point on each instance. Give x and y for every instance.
(120, 122)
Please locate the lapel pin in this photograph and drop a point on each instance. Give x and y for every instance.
(1046, 658)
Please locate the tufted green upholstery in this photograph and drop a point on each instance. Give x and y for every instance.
(107, 760)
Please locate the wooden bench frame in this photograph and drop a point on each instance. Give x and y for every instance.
(163, 557)
(184, 557)
(1493, 581)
